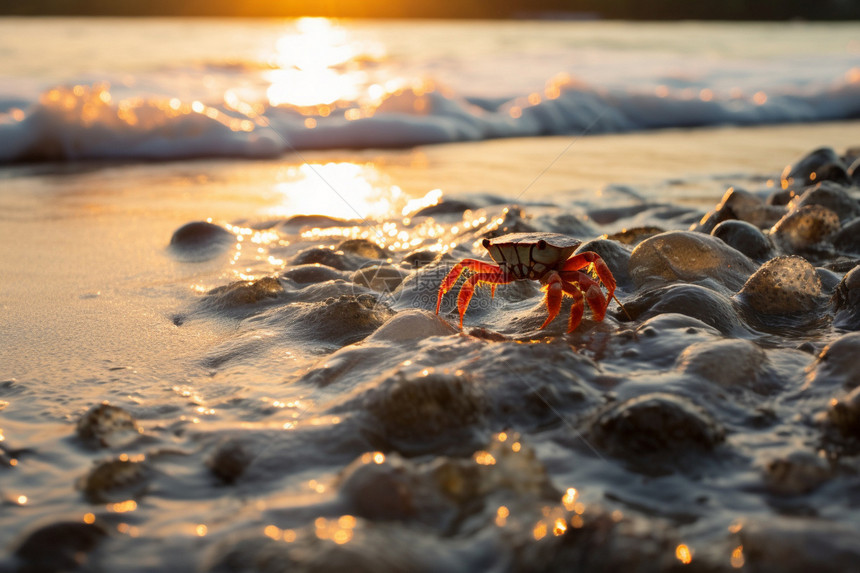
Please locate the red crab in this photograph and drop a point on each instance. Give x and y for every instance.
(545, 257)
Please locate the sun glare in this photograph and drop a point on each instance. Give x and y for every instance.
(319, 64)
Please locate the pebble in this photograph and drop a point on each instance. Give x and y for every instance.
(797, 473)
(412, 326)
(61, 546)
(115, 480)
(807, 230)
(844, 414)
(708, 360)
(381, 278)
(831, 196)
(426, 412)
(311, 274)
(243, 293)
(200, 241)
(782, 286)
(362, 248)
(686, 256)
(655, 431)
(846, 301)
(838, 363)
(107, 426)
(746, 238)
(818, 165)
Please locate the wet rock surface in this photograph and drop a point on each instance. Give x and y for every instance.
(334, 421)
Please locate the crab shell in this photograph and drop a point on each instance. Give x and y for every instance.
(530, 255)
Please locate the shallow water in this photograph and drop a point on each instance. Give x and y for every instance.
(283, 395)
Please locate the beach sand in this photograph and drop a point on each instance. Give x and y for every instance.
(97, 307)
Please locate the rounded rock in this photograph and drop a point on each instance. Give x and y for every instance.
(381, 278)
(818, 165)
(782, 286)
(797, 473)
(746, 238)
(200, 240)
(844, 414)
(806, 230)
(831, 196)
(709, 359)
(838, 363)
(689, 257)
(846, 301)
(107, 426)
(412, 325)
(660, 427)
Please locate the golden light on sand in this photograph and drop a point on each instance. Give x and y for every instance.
(342, 190)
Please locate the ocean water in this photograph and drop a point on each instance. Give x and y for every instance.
(223, 345)
(163, 89)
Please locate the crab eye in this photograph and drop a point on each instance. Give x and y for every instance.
(541, 244)
(486, 243)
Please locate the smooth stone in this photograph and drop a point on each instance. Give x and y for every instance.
(838, 363)
(200, 241)
(62, 546)
(242, 293)
(115, 480)
(324, 256)
(426, 412)
(362, 248)
(847, 239)
(314, 273)
(229, 461)
(381, 278)
(784, 285)
(846, 301)
(806, 230)
(745, 206)
(712, 308)
(818, 165)
(656, 430)
(831, 196)
(844, 414)
(746, 238)
(412, 325)
(854, 172)
(709, 359)
(798, 473)
(107, 426)
(688, 257)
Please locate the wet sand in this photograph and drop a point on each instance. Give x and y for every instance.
(486, 439)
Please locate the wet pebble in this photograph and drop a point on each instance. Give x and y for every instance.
(807, 230)
(749, 364)
(847, 239)
(243, 293)
(362, 248)
(200, 241)
(655, 432)
(381, 278)
(61, 546)
(412, 325)
(831, 196)
(782, 286)
(315, 273)
(799, 544)
(229, 461)
(739, 204)
(689, 257)
(115, 480)
(818, 165)
(846, 301)
(107, 426)
(838, 363)
(704, 304)
(746, 238)
(797, 473)
(326, 256)
(844, 414)
(341, 320)
(427, 412)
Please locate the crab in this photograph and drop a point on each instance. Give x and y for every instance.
(545, 257)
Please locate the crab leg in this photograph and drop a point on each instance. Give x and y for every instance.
(494, 277)
(583, 283)
(554, 291)
(451, 279)
(582, 260)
